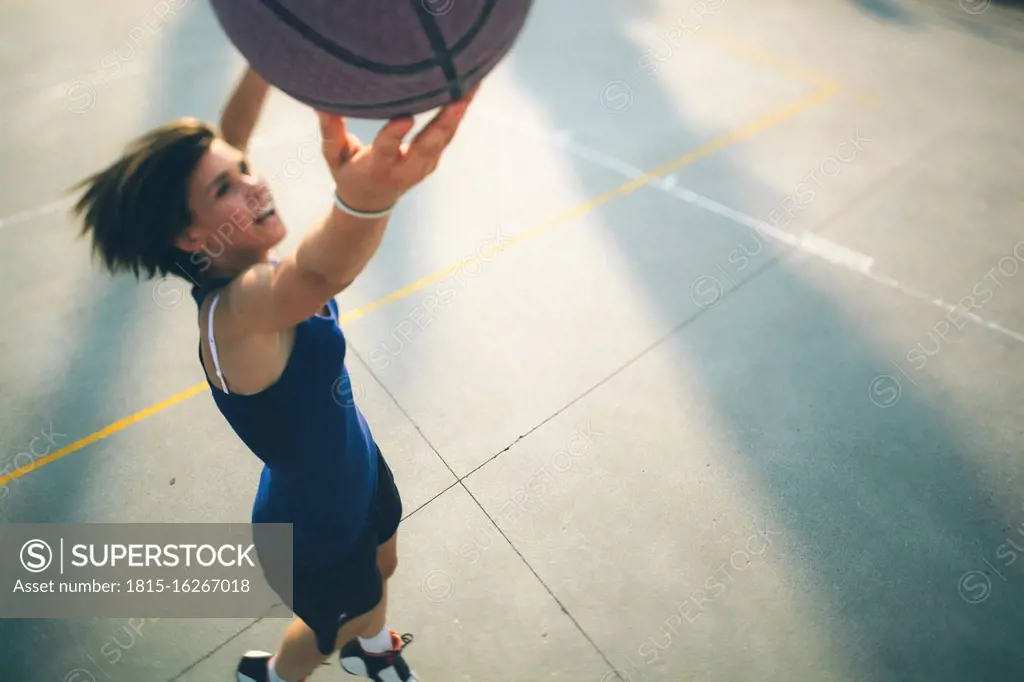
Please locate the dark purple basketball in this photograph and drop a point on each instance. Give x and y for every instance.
(373, 59)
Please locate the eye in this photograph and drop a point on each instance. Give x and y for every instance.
(222, 189)
(244, 167)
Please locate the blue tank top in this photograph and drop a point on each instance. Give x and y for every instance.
(319, 456)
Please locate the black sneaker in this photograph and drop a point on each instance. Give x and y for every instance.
(386, 667)
(253, 667)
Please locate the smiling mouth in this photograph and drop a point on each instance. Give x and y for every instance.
(265, 212)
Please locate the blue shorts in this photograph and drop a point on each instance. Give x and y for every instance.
(325, 597)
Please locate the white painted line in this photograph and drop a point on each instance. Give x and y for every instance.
(38, 211)
(563, 136)
(258, 142)
(836, 253)
(808, 242)
(948, 307)
(811, 243)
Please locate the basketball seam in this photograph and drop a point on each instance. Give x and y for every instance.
(317, 103)
(444, 58)
(335, 50)
(478, 25)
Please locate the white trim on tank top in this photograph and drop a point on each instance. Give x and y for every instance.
(213, 346)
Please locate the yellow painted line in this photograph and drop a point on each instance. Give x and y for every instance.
(119, 425)
(760, 56)
(744, 132)
(867, 99)
(781, 64)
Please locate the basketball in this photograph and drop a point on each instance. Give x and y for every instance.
(370, 59)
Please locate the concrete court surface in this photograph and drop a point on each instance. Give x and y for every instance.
(697, 359)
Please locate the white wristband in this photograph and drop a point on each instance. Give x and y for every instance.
(343, 207)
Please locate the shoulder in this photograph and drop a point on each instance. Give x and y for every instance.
(249, 361)
(236, 300)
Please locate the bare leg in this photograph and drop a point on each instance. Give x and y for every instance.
(387, 557)
(298, 655)
(387, 562)
(373, 624)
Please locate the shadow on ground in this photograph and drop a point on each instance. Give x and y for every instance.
(997, 22)
(887, 10)
(786, 370)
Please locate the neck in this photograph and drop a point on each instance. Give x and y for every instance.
(229, 269)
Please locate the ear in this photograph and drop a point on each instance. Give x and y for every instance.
(189, 241)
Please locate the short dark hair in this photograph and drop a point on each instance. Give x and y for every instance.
(136, 207)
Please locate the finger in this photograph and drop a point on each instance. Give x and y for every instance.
(437, 134)
(334, 135)
(388, 142)
(447, 120)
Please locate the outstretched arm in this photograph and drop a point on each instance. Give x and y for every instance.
(243, 108)
(335, 249)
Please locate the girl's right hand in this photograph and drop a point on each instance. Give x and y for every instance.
(373, 177)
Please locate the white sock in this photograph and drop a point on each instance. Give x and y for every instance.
(272, 673)
(377, 644)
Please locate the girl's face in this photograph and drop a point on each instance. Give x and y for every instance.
(234, 220)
